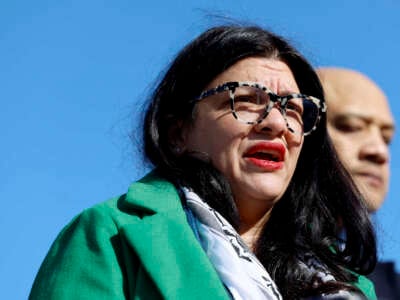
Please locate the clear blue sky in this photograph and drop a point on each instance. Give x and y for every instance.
(73, 75)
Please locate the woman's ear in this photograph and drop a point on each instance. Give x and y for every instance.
(177, 134)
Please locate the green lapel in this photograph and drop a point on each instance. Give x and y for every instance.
(166, 245)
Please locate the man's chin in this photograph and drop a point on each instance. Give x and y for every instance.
(373, 194)
(373, 201)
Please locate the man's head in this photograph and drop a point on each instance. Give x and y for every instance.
(361, 126)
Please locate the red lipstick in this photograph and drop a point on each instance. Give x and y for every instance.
(268, 156)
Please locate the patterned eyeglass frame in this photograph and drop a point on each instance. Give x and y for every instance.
(282, 100)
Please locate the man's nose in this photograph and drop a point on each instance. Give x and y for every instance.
(375, 148)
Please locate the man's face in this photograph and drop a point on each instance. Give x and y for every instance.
(361, 126)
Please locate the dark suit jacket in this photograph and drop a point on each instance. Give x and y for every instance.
(386, 281)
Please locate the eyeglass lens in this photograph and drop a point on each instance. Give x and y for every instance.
(252, 104)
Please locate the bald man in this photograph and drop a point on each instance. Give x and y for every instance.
(361, 126)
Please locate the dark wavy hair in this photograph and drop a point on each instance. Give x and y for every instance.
(321, 213)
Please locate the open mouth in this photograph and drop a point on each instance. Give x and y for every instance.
(267, 151)
(266, 155)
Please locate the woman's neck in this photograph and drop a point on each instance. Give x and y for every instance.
(250, 229)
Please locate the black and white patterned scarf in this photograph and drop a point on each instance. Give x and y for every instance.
(242, 274)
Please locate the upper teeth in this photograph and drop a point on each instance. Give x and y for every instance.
(270, 156)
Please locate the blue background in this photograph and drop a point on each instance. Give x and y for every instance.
(73, 76)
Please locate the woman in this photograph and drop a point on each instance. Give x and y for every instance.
(247, 199)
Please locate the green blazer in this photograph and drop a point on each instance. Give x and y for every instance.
(136, 246)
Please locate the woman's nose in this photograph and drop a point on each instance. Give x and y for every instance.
(274, 123)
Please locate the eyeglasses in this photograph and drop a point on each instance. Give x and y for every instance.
(251, 102)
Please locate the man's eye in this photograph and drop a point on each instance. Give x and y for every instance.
(346, 127)
(387, 139)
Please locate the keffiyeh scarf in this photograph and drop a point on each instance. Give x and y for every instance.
(240, 271)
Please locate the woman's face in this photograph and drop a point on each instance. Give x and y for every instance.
(258, 160)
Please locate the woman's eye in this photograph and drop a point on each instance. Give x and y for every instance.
(249, 101)
(294, 107)
(247, 98)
